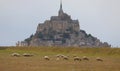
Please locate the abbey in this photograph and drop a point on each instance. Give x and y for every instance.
(60, 23)
(61, 30)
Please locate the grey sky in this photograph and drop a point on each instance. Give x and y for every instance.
(19, 18)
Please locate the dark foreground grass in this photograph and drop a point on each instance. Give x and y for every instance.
(110, 56)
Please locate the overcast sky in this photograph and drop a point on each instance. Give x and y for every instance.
(19, 18)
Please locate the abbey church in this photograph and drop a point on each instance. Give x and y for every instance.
(61, 30)
(60, 23)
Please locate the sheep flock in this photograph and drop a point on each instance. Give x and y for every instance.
(59, 57)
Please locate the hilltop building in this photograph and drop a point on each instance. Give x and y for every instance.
(61, 30)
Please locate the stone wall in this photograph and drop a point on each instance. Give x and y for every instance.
(59, 26)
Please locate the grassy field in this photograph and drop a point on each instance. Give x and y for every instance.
(110, 56)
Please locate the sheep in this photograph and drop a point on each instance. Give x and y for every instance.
(77, 59)
(46, 58)
(85, 58)
(65, 58)
(15, 54)
(59, 55)
(27, 55)
(99, 59)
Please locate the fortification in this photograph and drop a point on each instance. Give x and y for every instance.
(61, 30)
(60, 23)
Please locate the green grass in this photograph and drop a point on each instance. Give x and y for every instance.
(111, 57)
(64, 50)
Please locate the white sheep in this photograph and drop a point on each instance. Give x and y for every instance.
(65, 58)
(59, 55)
(77, 58)
(46, 58)
(99, 59)
(85, 58)
(15, 54)
(27, 54)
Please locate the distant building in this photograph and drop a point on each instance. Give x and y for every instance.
(60, 23)
(22, 43)
(61, 30)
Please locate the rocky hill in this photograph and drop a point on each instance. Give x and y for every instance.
(61, 30)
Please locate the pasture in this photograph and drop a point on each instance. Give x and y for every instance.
(110, 56)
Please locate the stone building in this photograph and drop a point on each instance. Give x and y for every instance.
(61, 30)
(22, 43)
(59, 23)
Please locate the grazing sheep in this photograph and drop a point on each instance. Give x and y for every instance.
(15, 54)
(77, 59)
(59, 55)
(99, 59)
(62, 56)
(85, 58)
(46, 58)
(65, 58)
(27, 55)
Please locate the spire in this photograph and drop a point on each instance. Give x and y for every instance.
(61, 10)
(60, 4)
